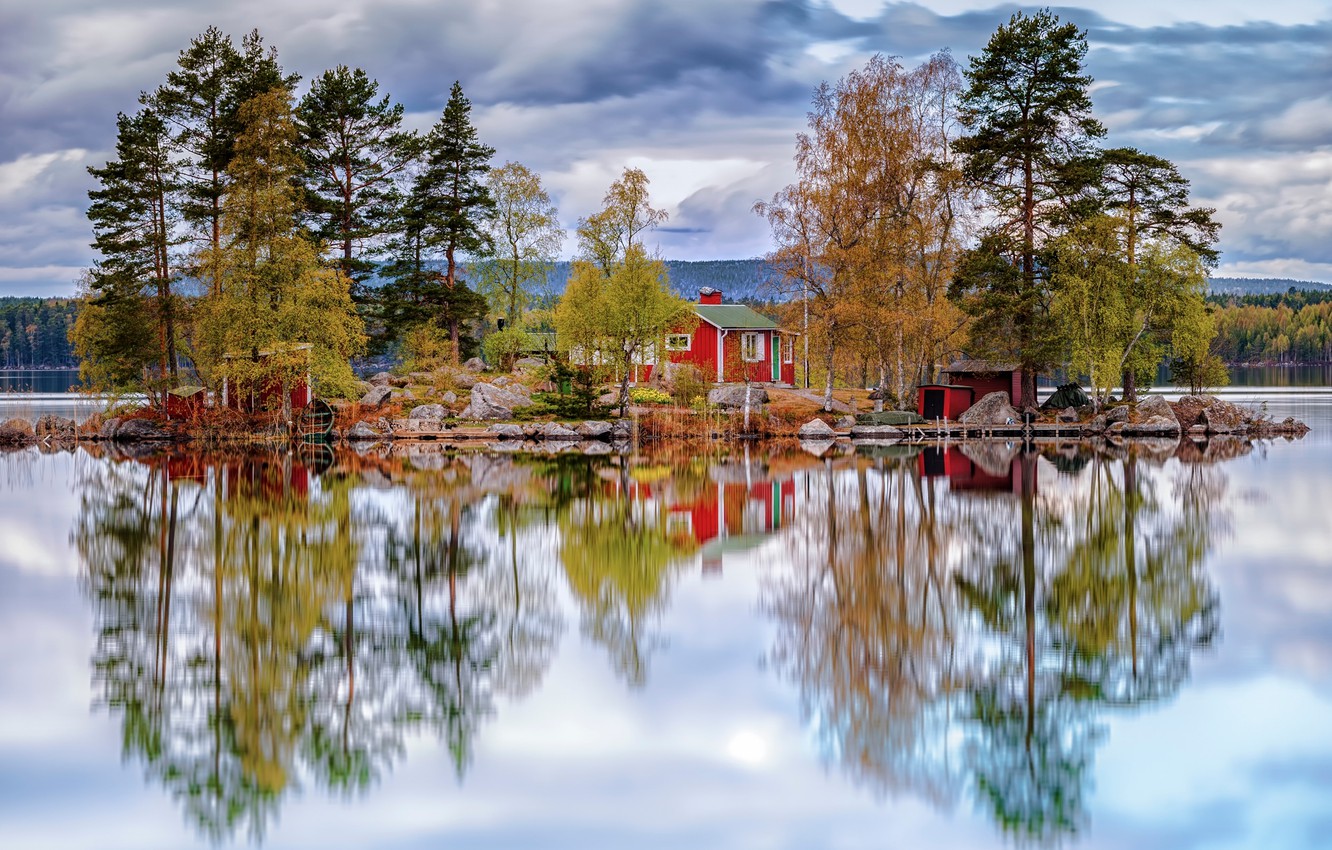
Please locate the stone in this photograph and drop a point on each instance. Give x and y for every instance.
(1117, 414)
(992, 409)
(492, 402)
(622, 430)
(507, 430)
(594, 430)
(1097, 424)
(51, 425)
(463, 380)
(428, 411)
(380, 379)
(450, 398)
(108, 429)
(845, 423)
(528, 363)
(734, 396)
(556, 431)
(362, 431)
(1068, 414)
(877, 432)
(607, 399)
(816, 429)
(15, 432)
(476, 364)
(376, 396)
(1156, 406)
(140, 430)
(502, 381)
(1222, 417)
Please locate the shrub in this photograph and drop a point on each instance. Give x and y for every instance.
(503, 348)
(687, 383)
(649, 395)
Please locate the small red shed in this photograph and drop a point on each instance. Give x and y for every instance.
(943, 401)
(985, 377)
(274, 393)
(185, 402)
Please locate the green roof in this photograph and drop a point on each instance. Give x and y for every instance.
(734, 316)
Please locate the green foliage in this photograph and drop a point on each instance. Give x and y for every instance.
(688, 384)
(503, 348)
(649, 395)
(576, 391)
(1027, 108)
(354, 148)
(35, 332)
(524, 238)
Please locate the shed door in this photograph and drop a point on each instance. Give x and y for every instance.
(934, 404)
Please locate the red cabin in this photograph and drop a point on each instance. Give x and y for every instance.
(733, 341)
(185, 402)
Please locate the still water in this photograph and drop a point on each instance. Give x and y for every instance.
(953, 648)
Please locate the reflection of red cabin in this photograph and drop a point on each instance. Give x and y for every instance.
(268, 395)
(735, 512)
(943, 401)
(730, 341)
(963, 473)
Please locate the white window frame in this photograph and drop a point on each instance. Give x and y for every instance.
(672, 343)
(756, 337)
(789, 356)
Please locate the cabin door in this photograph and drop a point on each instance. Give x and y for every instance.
(934, 404)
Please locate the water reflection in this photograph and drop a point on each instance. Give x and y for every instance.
(958, 622)
(958, 629)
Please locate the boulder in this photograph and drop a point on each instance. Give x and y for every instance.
(1154, 406)
(556, 431)
(734, 397)
(380, 379)
(362, 431)
(55, 426)
(428, 411)
(1068, 414)
(1222, 417)
(476, 364)
(507, 430)
(1117, 414)
(377, 395)
(816, 429)
(492, 402)
(449, 398)
(608, 399)
(992, 409)
(528, 363)
(140, 431)
(845, 423)
(594, 430)
(462, 380)
(502, 381)
(877, 432)
(622, 430)
(15, 432)
(108, 429)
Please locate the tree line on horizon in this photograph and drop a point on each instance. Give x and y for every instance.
(937, 212)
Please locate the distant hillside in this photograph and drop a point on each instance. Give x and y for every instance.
(1261, 286)
(739, 280)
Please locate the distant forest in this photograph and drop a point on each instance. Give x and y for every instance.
(34, 333)
(1259, 320)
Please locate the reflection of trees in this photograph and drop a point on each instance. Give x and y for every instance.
(618, 555)
(868, 628)
(1057, 606)
(256, 628)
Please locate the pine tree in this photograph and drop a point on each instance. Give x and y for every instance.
(134, 224)
(1028, 110)
(450, 196)
(354, 149)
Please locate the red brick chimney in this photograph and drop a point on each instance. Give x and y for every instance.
(708, 295)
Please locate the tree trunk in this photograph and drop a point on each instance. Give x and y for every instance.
(828, 381)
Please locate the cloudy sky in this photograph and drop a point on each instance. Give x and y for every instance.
(705, 95)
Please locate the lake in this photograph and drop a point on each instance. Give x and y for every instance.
(960, 647)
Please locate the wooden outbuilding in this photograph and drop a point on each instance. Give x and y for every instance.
(185, 402)
(985, 377)
(272, 393)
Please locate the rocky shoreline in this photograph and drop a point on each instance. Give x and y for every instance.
(992, 417)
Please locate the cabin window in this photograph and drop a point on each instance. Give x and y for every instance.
(790, 350)
(751, 347)
(677, 342)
